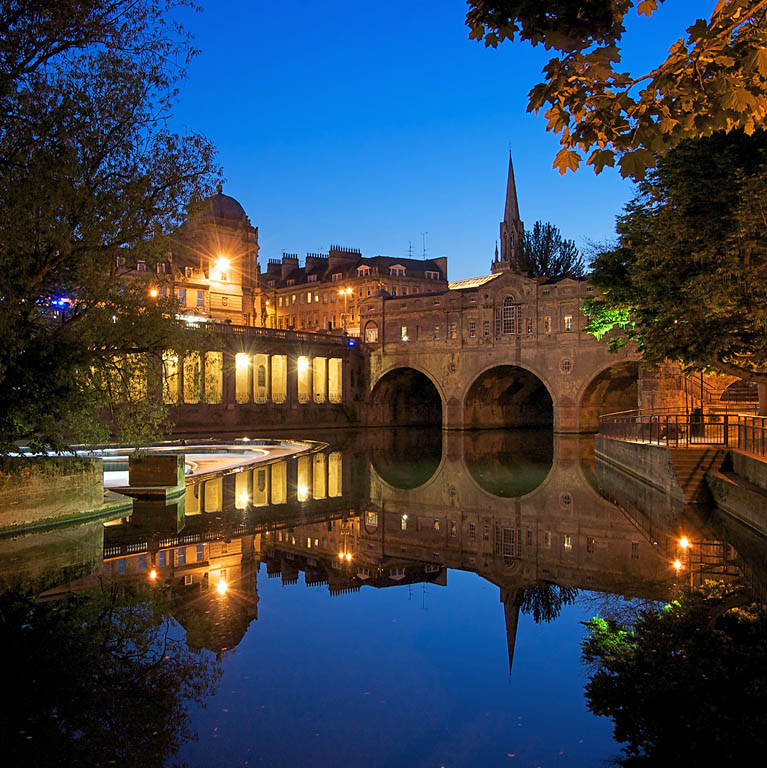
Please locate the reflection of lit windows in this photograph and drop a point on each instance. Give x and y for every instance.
(567, 541)
(635, 550)
(568, 321)
(403, 522)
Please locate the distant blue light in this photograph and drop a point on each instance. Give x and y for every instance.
(351, 343)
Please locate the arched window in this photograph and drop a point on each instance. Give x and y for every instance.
(371, 332)
(511, 317)
(261, 376)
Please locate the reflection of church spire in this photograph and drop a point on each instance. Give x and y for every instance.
(512, 227)
(511, 614)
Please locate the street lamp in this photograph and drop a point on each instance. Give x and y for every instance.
(345, 292)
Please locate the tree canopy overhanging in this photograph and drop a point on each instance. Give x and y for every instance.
(687, 278)
(89, 172)
(714, 78)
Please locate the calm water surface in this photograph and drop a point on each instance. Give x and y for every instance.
(368, 604)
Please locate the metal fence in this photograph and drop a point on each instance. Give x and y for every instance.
(673, 429)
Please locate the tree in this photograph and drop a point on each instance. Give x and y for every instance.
(713, 79)
(687, 278)
(543, 253)
(684, 685)
(98, 678)
(89, 172)
(545, 600)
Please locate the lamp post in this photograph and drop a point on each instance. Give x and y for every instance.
(345, 292)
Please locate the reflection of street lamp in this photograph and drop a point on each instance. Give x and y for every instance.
(345, 292)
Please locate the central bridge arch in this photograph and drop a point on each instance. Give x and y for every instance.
(506, 395)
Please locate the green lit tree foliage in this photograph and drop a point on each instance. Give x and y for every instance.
(89, 173)
(544, 253)
(684, 685)
(98, 678)
(714, 78)
(687, 279)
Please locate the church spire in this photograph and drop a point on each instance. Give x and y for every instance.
(510, 602)
(512, 228)
(511, 211)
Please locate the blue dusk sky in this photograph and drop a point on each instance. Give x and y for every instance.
(367, 124)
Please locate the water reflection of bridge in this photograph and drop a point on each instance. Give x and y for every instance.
(353, 517)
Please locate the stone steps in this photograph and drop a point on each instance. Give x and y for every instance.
(691, 466)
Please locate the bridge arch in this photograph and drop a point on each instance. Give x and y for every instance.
(614, 387)
(505, 395)
(406, 396)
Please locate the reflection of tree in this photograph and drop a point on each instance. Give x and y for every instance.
(545, 600)
(98, 678)
(686, 685)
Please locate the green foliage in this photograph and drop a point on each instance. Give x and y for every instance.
(715, 78)
(685, 685)
(98, 678)
(543, 253)
(687, 280)
(88, 173)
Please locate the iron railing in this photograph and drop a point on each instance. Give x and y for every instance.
(743, 431)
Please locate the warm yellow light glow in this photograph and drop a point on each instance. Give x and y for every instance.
(677, 565)
(153, 574)
(222, 587)
(684, 542)
(302, 492)
(404, 517)
(348, 555)
(340, 555)
(223, 263)
(244, 498)
(153, 293)
(303, 364)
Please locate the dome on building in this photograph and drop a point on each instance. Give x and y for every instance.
(224, 207)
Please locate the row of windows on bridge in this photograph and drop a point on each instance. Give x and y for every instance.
(508, 322)
(258, 378)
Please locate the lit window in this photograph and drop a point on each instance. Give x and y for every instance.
(547, 324)
(472, 329)
(567, 541)
(453, 330)
(336, 276)
(141, 266)
(590, 543)
(568, 319)
(547, 539)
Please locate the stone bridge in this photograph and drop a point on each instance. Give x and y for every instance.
(498, 351)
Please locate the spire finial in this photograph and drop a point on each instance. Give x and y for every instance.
(219, 188)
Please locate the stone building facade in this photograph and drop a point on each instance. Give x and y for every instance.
(327, 292)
